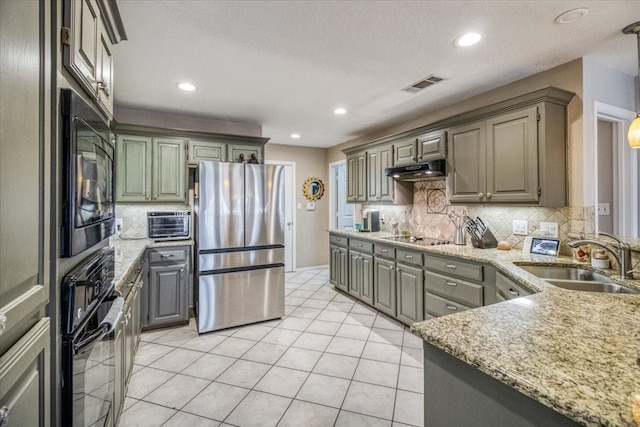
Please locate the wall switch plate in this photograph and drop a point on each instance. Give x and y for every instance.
(549, 229)
(604, 209)
(119, 223)
(521, 227)
(299, 206)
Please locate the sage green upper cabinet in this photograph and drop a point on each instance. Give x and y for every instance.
(419, 149)
(381, 187)
(150, 169)
(515, 155)
(512, 157)
(206, 150)
(357, 177)
(91, 29)
(431, 146)
(467, 175)
(237, 150)
(405, 152)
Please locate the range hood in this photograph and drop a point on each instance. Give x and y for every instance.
(422, 172)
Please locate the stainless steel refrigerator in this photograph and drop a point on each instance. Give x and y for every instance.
(240, 244)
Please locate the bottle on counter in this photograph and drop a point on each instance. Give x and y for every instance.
(404, 225)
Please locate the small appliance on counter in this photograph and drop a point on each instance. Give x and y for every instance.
(370, 220)
(164, 225)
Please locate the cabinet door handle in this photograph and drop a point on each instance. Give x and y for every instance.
(489, 195)
(182, 270)
(130, 284)
(451, 307)
(480, 195)
(146, 196)
(451, 266)
(397, 269)
(4, 416)
(512, 292)
(3, 326)
(450, 283)
(155, 196)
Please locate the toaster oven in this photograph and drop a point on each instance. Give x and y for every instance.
(163, 225)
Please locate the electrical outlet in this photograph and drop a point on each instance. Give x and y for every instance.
(119, 223)
(549, 228)
(520, 226)
(604, 209)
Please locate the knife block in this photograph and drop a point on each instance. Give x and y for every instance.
(488, 241)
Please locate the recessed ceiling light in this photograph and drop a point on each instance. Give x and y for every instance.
(339, 111)
(468, 39)
(571, 15)
(186, 86)
(295, 135)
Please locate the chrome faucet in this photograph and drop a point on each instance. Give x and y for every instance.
(620, 251)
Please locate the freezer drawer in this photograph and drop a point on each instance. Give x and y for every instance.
(218, 261)
(239, 298)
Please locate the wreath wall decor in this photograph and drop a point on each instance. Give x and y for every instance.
(313, 189)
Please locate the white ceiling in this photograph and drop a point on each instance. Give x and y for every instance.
(288, 64)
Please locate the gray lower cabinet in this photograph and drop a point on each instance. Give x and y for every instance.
(507, 289)
(384, 286)
(410, 290)
(361, 276)
(24, 379)
(165, 300)
(339, 262)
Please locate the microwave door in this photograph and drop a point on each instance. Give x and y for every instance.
(221, 206)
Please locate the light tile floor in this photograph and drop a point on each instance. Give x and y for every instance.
(331, 361)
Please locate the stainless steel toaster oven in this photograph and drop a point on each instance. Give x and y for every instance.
(164, 225)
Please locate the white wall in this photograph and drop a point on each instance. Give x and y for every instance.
(609, 86)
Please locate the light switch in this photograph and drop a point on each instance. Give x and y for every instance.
(299, 205)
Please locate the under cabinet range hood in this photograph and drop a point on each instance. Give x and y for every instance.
(422, 172)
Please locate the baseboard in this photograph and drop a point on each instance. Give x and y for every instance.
(313, 267)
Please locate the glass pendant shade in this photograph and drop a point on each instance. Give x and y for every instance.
(634, 133)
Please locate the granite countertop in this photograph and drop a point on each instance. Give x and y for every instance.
(575, 352)
(130, 251)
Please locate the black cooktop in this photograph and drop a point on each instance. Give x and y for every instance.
(418, 240)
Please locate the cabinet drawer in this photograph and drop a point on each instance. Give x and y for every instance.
(507, 289)
(361, 246)
(409, 257)
(384, 251)
(455, 268)
(455, 289)
(168, 255)
(338, 240)
(437, 306)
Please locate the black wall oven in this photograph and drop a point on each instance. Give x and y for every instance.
(88, 198)
(90, 310)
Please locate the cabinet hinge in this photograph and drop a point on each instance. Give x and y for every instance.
(538, 116)
(65, 36)
(539, 191)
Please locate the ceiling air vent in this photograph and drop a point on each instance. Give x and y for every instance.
(424, 83)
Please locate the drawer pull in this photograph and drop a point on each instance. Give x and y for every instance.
(408, 256)
(451, 266)
(450, 283)
(384, 251)
(512, 292)
(130, 284)
(451, 307)
(167, 255)
(359, 245)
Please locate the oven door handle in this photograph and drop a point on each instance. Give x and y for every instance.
(106, 326)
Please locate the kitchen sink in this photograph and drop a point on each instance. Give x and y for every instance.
(582, 285)
(564, 273)
(576, 279)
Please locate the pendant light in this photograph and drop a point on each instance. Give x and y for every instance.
(634, 129)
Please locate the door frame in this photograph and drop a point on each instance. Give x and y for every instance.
(626, 160)
(290, 196)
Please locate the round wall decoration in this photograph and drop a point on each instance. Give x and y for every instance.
(313, 189)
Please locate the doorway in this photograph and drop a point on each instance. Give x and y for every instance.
(342, 214)
(290, 213)
(616, 173)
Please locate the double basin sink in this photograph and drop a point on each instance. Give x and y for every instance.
(577, 279)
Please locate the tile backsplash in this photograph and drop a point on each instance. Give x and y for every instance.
(134, 217)
(428, 216)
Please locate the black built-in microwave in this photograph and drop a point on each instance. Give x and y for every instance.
(88, 198)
